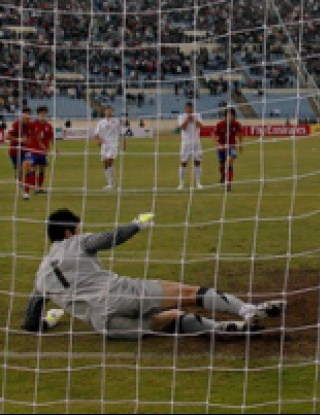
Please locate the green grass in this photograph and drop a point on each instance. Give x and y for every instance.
(259, 239)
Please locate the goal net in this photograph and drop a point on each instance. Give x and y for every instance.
(258, 240)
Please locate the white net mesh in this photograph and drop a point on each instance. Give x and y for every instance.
(146, 58)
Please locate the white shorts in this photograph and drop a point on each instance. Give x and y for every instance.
(134, 302)
(190, 150)
(109, 151)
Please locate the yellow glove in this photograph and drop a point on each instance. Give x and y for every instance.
(144, 220)
(53, 317)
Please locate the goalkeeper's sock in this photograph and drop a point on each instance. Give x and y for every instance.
(182, 175)
(195, 324)
(213, 300)
(198, 325)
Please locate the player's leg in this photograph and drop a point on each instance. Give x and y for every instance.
(28, 175)
(108, 164)
(169, 321)
(198, 173)
(230, 162)
(14, 163)
(182, 174)
(221, 153)
(108, 155)
(177, 295)
(42, 171)
(184, 158)
(197, 156)
(178, 322)
(19, 172)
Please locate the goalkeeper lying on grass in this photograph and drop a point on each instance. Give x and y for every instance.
(73, 278)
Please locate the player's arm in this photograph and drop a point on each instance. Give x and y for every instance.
(106, 240)
(109, 239)
(14, 133)
(96, 136)
(198, 121)
(97, 139)
(184, 122)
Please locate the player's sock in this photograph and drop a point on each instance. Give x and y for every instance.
(230, 174)
(29, 181)
(40, 180)
(197, 174)
(194, 324)
(109, 176)
(199, 325)
(182, 174)
(222, 172)
(213, 300)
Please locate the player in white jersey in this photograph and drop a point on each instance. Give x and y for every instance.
(72, 276)
(107, 136)
(190, 124)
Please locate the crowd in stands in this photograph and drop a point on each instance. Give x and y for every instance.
(101, 43)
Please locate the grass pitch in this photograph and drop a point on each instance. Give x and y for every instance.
(260, 241)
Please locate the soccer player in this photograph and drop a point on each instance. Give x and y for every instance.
(228, 135)
(190, 124)
(72, 276)
(19, 136)
(35, 161)
(107, 136)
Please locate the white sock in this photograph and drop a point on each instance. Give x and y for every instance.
(109, 175)
(247, 309)
(182, 174)
(197, 174)
(214, 300)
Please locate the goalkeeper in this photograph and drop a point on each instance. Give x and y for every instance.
(73, 278)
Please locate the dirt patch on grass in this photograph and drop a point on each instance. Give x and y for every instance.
(294, 334)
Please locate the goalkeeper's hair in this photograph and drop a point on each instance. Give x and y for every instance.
(59, 222)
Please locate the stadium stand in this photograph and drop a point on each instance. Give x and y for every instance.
(86, 52)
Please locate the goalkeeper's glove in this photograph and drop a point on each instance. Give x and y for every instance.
(53, 317)
(144, 220)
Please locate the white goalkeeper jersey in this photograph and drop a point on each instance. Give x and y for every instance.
(109, 130)
(73, 277)
(191, 133)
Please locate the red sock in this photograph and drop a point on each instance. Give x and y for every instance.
(230, 175)
(29, 182)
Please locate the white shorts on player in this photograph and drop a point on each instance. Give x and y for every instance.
(109, 150)
(190, 150)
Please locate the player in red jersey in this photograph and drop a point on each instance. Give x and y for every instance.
(35, 160)
(19, 136)
(228, 135)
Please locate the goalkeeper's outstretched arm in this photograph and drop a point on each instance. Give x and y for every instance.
(107, 240)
